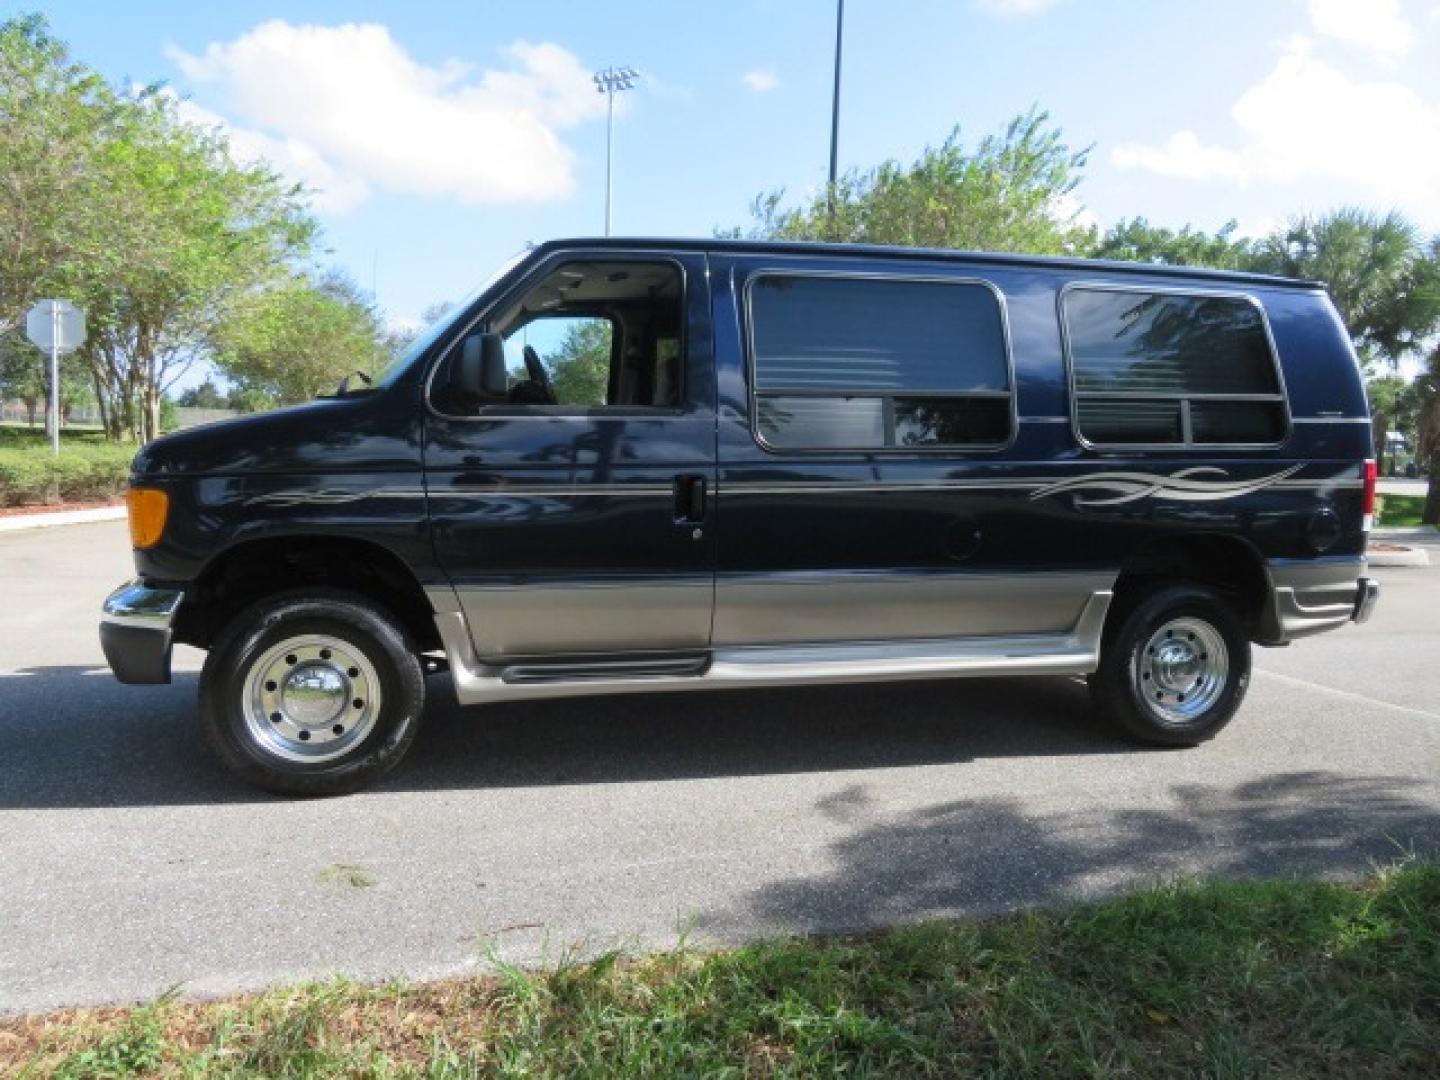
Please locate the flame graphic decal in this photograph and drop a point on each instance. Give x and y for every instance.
(1204, 483)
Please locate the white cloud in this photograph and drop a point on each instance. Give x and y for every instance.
(1376, 26)
(1182, 155)
(1308, 120)
(334, 191)
(1257, 228)
(1015, 7)
(761, 80)
(347, 110)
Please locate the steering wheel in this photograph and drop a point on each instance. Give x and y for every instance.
(536, 370)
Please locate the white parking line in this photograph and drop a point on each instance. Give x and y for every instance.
(1347, 694)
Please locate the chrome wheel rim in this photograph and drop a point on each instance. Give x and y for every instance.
(1182, 671)
(310, 699)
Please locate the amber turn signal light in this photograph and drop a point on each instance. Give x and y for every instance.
(147, 508)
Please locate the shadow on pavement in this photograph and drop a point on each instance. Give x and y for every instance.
(70, 737)
(980, 856)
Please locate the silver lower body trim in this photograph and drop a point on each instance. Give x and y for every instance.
(800, 608)
(575, 616)
(1074, 651)
(1312, 596)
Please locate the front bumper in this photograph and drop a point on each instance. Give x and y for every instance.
(135, 632)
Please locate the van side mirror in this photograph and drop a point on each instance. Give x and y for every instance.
(482, 367)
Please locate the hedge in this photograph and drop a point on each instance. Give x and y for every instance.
(85, 472)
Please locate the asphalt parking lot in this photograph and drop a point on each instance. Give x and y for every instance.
(130, 864)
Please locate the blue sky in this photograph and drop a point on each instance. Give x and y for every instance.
(442, 137)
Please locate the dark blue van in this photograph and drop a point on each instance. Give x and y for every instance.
(656, 465)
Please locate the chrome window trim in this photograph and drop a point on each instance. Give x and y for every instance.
(1187, 445)
(747, 323)
(567, 412)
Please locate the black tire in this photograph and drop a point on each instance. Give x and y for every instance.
(1128, 662)
(379, 652)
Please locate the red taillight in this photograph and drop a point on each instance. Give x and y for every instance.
(1367, 501)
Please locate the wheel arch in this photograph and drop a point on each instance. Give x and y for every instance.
(1229, 565)
(253, 569)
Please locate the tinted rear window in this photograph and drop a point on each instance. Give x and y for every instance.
(1162, 368)
(872, 363)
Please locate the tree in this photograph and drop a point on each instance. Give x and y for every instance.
(1427, 441)
(25, 377)
(297, 339)
(205, 396)
(580, 366)
(1014, 192)
(108, 198)
(1136, 240)
(1394, 406)
(22, 374)
(195, 233)
(54, 114)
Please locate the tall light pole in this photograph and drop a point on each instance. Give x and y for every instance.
(835, 109)
(610, 82)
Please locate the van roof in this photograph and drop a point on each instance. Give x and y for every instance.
(882, 251)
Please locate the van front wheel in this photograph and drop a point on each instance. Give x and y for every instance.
(311, 693)
(1175, 669)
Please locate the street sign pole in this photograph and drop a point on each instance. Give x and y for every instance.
(55, 377)
(55, 327)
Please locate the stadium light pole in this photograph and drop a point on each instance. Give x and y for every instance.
(835, 112)
(610, 82)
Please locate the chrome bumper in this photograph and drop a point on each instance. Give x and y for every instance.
(135, 632)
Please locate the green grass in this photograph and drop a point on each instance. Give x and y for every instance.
(1211, 979)
(1396, 510)
(88, 469)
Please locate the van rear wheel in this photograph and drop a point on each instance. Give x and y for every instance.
(311, 693)
(1175, 669)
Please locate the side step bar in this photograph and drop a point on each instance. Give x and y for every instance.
(1076, 652)
(604, 669)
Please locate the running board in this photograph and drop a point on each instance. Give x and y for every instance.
(585, 671)
(1074, 653)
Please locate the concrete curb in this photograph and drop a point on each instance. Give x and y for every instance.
(1404, 530)
(16, 522)
(1406, 556)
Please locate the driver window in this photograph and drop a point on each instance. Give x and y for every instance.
(593, 335)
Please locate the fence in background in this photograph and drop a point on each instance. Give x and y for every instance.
(13, 412)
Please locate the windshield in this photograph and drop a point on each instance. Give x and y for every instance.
(427, 337)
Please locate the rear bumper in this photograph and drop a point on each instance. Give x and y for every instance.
(1312, 596)
(1365, 602)
(135, 632)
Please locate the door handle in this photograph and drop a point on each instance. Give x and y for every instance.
(689, 499)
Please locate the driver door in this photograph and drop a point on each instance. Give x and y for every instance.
(575, 517)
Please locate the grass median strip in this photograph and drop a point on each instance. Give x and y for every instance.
(1219, 978)
(1400, 510)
